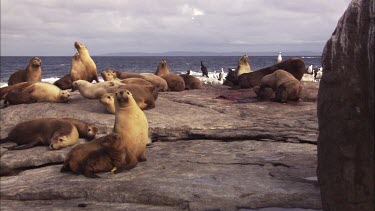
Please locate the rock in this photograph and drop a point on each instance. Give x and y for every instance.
(213, 148)
(346, 112)
(295, 66)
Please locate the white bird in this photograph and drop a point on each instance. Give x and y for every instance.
(279, 58)
(221, 75)
(215, 75)
(319, 74)
(310, 69)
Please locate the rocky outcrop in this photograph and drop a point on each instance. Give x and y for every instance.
(346, 112)
(212, 148)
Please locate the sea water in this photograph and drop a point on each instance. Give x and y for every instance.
(55, 67)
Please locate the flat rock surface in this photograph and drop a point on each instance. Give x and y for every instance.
(214, 148)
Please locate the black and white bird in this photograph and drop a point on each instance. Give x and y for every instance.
(204, 70)
(221, 75)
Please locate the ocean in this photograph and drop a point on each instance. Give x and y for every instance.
(54, 67)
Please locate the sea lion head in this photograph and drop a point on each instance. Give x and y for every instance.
(35, 62)
(244, 59)
(78, 84)
(108, 75)
(108, 99)
(64, 96)
(263, 93)
(91, 131)
(112, 140)
(79, 46)
(59, 141)
(123, 99)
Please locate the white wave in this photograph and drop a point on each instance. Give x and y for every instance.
(212, 79)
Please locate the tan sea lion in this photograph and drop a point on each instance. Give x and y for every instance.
(145, 83)
(294, 66)
(46, 92)
(141, 95)
(286, 86)
(175, 82)
(54, 133)
(64, 83)
(33, 72)
(110, 74)
(243, 66)
(159, 82)
(95, 91)
(99, 155)
(191, 82)
(131, 123)
(90, 73)
(85, 129)
(162, 69)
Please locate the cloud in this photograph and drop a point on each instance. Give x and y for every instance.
(50, 27)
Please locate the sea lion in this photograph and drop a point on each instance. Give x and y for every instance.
(131, 123)
(64, 83)
(159, 82)
(141, 95)
(295, 66)
(243, 66)
(162, 69)
(90, 72)
(286, 86)
(204, 70)
(85, 129)
(54, 133)
(264, 93)
(15, 88)
(46, 92)
(99, 155)
(15, 98)
(33, 72)
(142, 82)
(95, 91)
(191, 82)
(175, 82)
(110, 74)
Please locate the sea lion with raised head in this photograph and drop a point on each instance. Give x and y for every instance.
(90, 72)
(243, 66)
(54, 133)
(162, 68)
(33, 72)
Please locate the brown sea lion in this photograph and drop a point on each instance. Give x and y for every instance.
(191, 82)
(91, 73)
(33, 72)
(54, 133)
(162, 69)
(85, 129)
(175, 82)
(100, 155)
(15, 98)
(243, 66)
(294, 66)
(95, 91)
(131, 123)
(141, 95)
(15, 88)
(64, 83)
(145, 83)
(110, 74)
(286, 86)
(159, 82)
(46, 92)
(264, 93)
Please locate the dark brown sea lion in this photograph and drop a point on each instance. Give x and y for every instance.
(15, 98)
(175, 82)
(33, 72)
(191, 82)
(85, 129)
(64, 82)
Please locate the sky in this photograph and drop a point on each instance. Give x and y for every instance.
(50, 27)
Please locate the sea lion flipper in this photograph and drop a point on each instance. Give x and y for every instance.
(90, 174)
(124, 168)
(24, 146)
(65, 167)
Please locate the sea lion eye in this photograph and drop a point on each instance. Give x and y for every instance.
(109, 97)
(61, 140)
(89, 129)
(127, 93)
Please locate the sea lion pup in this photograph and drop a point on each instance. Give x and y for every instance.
(286, 86)
(85, 129)
(162, 68)
(64, 83)
(159, 82)
(15, 98)
(141, 95)
(95, 91)
(243, 65)
(295, 66)
(191, 82)
(110, 74)
(145, 83)
(46, 92)
(54, 133)
(33, 72)
(91, 73)
(131, 123)
(175, 82)
(100, 155)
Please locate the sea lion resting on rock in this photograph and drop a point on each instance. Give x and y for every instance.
(95, 91)
(100, 155)
(175, 82)
(15, 98)
(83, 59)
(14, 88)
(64, 82)
(141, 95)
(110, 74)
(159, 82)
(243, 66)
(294, 66)
(131, 123)
(33, 72)
(286, 86)
(162, 69)
(191, 82)
(142, 82)
(54, 133)
(85, 129)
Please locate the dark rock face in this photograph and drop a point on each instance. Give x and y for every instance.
(294, 66)
(346, 112)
